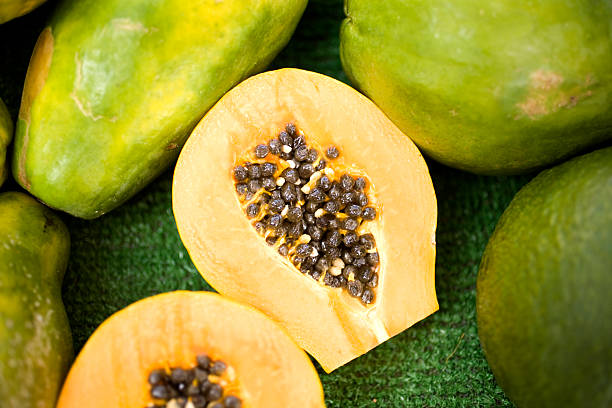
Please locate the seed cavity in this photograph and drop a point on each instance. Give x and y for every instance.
(196, 387)
(312, 211)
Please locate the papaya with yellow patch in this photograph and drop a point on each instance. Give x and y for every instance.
(297, 195)
(142, 354)
(114, 88)
(35, 339)
(497, 87)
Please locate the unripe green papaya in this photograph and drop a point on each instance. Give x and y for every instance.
(9, 9)
(35, 339)
(493, 87)
(544, 285)
(6, 134)
(114, 87)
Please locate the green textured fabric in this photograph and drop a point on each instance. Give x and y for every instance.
(135, 252)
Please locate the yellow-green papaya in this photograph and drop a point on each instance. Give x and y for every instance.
(35, 340)
(114, 87)
(491, 87)
(10, 9)
(6, 134)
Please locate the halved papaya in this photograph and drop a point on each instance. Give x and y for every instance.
(177, 349)
(297, 195)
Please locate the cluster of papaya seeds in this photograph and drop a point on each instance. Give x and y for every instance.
(110, 99)
(295, 194)
(6, 134)
(543, 290)
(191, 350)
(492, 87)
(35, 339)
(10, 9)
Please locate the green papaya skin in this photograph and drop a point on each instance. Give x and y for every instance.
(114, 88)
(6, 134)
(35, 339)
(10, 9)
(544, 286)
(491, 87)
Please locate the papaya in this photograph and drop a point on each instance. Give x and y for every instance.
(182, 348)
(10, 9)
(6, 134)
(500, 87)
(543, 288)
(35, 339)
(114, 88)
(295, 194)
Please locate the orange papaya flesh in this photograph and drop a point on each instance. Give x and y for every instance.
(329, 323)
(150, 340)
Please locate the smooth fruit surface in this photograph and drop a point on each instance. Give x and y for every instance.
(327, 322)
(266, 368)
(114, 88)
(498, 87)
(6, 134)
(544, 285)
(35, 340)
(9, 9)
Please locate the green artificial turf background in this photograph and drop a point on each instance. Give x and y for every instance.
(135, 252)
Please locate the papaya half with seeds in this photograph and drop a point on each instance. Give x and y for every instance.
(153, 340)
(35, 339)
(114, 88)
(10, 9)
(497, 87)
(6, 134)
(297, 195)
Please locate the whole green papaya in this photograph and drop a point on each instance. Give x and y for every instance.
(493, 87)
(114, 87)
(544, 285)
(6, 134)
(35, 339)
(9, 9)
